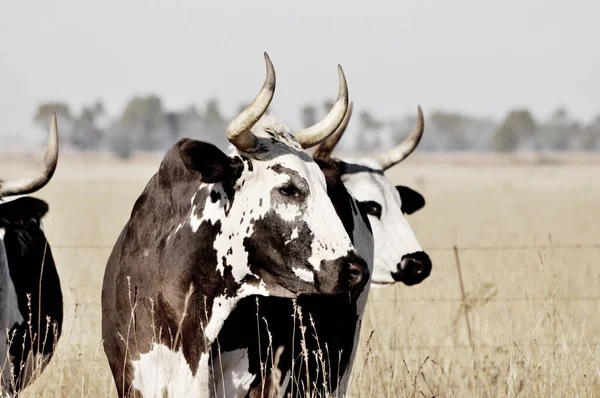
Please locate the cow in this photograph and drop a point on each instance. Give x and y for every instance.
(210, 229)
(244, 362)
(398, 255)
(31, 306)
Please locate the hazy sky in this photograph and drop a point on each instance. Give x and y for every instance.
(475, 56)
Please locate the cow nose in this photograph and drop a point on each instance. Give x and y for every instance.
(356, 273)
(413, 268)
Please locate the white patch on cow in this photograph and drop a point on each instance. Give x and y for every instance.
(393, 234)
(293, 236)
(162, 370)
(235, 380)
(304, 274)
(287, 211)
(9, 312)
(223, 305)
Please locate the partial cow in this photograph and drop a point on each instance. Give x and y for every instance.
(210, 229)
(31, 307)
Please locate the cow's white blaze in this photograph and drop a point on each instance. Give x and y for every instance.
(162, 370)
(392, 233)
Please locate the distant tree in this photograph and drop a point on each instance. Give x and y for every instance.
(560, 115)
(173, 122)
(121, 144)
(308, 116)
(558, 132)
(143, 119)
(517, 125)
(452, 127)
(212, 112)
(44, 113)
(370, 132)
(85, 135)
(214, 125)
(590, 137)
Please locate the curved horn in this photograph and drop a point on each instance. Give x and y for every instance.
(44, 175)
(238, 130)
(400, 152)
(313, 135)
(324, 150)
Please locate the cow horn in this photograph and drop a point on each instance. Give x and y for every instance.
(324, 150)
(238, 130)
(45, 174)
(401, 152)
(313, 135)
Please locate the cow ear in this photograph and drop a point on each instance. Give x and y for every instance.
(208, 160)
(411, 200)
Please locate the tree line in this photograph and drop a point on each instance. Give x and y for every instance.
(145, 125)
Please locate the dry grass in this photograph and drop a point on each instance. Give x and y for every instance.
(531, 293)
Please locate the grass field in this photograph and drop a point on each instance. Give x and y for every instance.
(528, 239)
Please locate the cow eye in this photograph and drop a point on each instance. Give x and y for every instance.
(371, 208)
(290, 190)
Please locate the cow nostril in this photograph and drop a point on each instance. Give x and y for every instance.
(416, 267)
(356, 273)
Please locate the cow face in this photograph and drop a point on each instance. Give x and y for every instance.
(398, 255)
(277, 225)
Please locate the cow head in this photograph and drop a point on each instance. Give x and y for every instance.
(276, 228)
(398, 255)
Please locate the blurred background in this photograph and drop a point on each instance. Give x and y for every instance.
(138, 75)
(508, 308)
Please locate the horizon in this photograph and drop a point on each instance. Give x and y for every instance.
(440, 55)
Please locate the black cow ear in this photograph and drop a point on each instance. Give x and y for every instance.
(208, 160)
(411, 200)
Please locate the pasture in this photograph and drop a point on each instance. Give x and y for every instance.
(524, 320)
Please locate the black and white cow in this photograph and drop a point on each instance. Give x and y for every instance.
(31, 307)
(244, 362)
(243, 354)
(398, 254)
(210, 229)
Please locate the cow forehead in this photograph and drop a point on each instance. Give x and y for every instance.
(369, 186)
